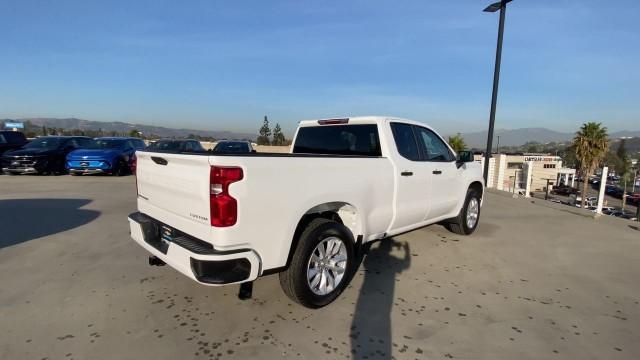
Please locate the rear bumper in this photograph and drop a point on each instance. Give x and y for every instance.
(87, 171)
(89, 166)
(192, 257)
(28, 170)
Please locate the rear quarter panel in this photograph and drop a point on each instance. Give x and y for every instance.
(277, 191)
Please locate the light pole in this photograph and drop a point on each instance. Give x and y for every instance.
(498, 146)
(502, 6)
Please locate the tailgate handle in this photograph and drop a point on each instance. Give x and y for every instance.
(159, 160)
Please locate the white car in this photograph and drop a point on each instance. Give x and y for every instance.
(230, 218)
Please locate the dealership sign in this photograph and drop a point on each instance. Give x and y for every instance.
(541, 158)
(14, 125)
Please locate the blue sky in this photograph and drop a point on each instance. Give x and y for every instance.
(224, 64)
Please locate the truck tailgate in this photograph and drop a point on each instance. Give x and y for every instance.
(174, 189)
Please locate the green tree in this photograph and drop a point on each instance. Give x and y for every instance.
(457, 142)
(44, 130)
(568, 156)
(532, 147)
(278, 136)
(623, 166)
(265, 133)
(134, 133)
(591, 143)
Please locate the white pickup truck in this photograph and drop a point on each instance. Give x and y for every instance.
(229, 218)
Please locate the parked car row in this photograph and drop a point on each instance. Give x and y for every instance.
(80, 155)
(591, 203)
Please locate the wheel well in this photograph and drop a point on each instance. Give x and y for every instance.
(477, 186)
(341, 212)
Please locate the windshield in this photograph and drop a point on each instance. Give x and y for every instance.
(232, 147)
(107, 144)
(44, 143)
(2, 139)
(165, 145)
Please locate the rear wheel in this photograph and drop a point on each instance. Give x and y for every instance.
(467, 220)
(321, 265)
(120, 169)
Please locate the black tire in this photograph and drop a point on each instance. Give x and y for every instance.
(120, 169)
(458, 224)
(294, 279)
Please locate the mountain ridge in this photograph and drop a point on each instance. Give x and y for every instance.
(508, 137)
(520, 136)
(120, 126)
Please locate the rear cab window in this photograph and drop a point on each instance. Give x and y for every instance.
(348, 139)
(405, 141)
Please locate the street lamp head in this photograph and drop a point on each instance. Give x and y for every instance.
(496, 6)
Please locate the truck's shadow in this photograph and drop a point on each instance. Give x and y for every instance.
(22, 220)
(371, 326)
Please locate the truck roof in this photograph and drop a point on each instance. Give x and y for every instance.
(361, 120)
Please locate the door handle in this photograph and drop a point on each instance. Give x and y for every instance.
(159, 160)
(437, 172)
(406, 173)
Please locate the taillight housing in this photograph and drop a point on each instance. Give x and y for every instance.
(134, 163)
(223, 207)
(133, 166)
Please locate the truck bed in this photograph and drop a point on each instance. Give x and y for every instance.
(275, 192)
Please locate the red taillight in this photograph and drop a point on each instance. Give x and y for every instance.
(134, 163)
(133, 166)
(333, 121)
(224, 208)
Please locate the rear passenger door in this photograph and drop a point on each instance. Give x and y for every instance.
(413, 180)
(445, 179)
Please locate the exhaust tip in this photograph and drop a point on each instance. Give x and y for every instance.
(155, 261)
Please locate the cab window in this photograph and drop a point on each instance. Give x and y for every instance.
(405, 141)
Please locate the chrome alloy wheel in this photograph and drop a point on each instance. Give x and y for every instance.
(327, 265)
(473, 211)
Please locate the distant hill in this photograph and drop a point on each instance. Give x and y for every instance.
(517, 137)
(123, 127)
(631, 144)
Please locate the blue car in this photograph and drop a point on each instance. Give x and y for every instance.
(107, 155)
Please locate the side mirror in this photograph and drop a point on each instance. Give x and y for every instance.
(464, 156)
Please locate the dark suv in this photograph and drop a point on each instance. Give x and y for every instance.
(176, 145)
(10, 140)
(44, 155)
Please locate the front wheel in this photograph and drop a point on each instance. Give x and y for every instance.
(467, 220)
(321, 265)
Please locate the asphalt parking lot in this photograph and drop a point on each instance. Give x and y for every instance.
(536, 281)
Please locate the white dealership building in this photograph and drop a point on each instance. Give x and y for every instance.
(513, 172)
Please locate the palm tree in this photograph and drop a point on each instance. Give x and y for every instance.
(457, 142)
(591, 144)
